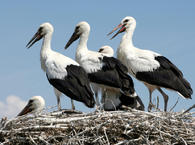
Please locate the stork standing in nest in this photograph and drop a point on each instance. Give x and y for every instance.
(153, 69)
(113, 99)
(63, 73)
(104, 72)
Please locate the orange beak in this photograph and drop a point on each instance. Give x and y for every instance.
(123, 28)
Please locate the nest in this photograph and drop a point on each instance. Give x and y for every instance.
(113, 127)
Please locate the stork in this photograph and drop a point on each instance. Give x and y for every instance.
(103, 71)
(153, 69)
(35, 105)
(106, 51)
(114, 100)
(63, 73)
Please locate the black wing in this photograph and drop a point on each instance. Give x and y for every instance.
(75, 85)
(114, 74)
(167, 76)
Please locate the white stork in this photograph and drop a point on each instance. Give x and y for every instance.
(113, 99)
(35, 105)
(106, 51)
(153, 69)
(102, 71)
(63, 73)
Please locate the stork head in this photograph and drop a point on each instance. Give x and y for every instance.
(126, 23)
(36, 103)
(44, 29)
(81, 28)
(107, 50)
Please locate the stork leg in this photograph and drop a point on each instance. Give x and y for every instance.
(97, 106)
(103, 98)
(95, 90)
(150, 101)
(58, 94)
(97, 99)
(58, 103)
(72, 103)
(166, 98)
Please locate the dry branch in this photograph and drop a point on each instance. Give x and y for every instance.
(114, 127)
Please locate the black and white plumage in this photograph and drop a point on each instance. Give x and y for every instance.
(153, 69)
(63, 73)
(113, 99)
(35, 105)
(103, 71)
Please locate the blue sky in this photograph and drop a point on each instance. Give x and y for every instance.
(166, 27)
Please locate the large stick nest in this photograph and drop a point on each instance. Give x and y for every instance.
(114, 127)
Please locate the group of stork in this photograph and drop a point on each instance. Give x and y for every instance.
(99, 73)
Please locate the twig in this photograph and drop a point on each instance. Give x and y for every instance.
(106, 127)
(32, 140)
(122, 142)
(43, 140)
(193, 106)
(106, 136)
(174, 105)
(184, 141)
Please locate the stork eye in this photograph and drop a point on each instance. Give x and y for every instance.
(31, 101)
(125, 21)
(77, 27)
(101, 49)
(40, 29)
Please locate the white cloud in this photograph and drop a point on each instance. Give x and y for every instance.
(12, 106)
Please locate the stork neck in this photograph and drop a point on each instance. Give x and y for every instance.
(46, 45)
(45, 50)
(83, 41)
(128, 37)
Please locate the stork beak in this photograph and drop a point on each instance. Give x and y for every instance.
(120, 25)
(27, 109)
(35, 38)
(116, 28)
(73, 38)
